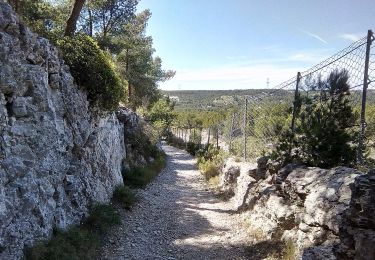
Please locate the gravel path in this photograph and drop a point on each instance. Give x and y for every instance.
(178, 217)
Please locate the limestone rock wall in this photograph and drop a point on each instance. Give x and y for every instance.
(56, 156)
(357, 235)
(304, 205)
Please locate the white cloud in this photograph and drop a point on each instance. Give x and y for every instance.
(314, 36)
(230, 77)
(351, 36)
(241, 73)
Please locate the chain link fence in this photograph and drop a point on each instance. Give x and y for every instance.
(254, 129)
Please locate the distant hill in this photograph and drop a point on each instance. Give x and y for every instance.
(216, 99)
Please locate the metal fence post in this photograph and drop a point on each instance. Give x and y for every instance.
(244, 131)
(295, 102)
(208, 139)
(361, 139)
(231, 132)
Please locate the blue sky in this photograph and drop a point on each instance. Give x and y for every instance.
(238, 44)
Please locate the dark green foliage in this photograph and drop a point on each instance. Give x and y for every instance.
(139, 177)
(192, 148)
(103, 18)
(102, 217)
(93, 70)
(43, 17)
(323, 135)
(77, 242)
(124, 196)
(175, 141)
(141, 143)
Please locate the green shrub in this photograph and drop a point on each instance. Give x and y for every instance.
(124, 196)
(78, 242)
(142, 143)
(324, 135)
(176, 141)
(139, 177)
(75, 243)
(210, 161)
(93, 70)
(192, 147)
(102, 217)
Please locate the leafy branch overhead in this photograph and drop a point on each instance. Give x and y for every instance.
(119, 32)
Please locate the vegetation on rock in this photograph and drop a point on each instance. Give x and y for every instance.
(93, 70)
(78, 242)
(140, 176)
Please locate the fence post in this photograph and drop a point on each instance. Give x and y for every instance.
(244, 131)
(208, 139)
(217, 136)
(361, 139)
(231, 132)
(295, 102)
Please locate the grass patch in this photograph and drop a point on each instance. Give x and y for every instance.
(279, 250)
(124, 196)
(210, 162)
(78, 242)
(214, 182)
(139, 177)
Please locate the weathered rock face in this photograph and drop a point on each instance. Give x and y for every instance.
(357, 234)
(56, 156)
(301, 204)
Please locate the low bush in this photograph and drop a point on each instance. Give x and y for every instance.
(142, 142)
(176, 141)
(102, 217)
(78, 242)
(124, 196)
(139, 177)
(93, 70)
(192, 148)
(210, 161)
(75, 243)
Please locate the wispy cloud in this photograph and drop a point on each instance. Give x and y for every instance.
(240, 72)
(230, 77)
(351, 36)
(314, 36)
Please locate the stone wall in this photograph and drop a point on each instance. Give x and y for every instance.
(304, 205)
(57, 157)
(357, 234)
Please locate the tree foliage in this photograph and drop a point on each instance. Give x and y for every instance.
(43, 17)
(323, 137)
(114, 25)
(93, 70)
(139, 67)
(106, 18)
(161, 115)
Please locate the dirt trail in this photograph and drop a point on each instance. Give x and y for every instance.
(178, 218)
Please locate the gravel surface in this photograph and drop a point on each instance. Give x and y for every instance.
(178, 217)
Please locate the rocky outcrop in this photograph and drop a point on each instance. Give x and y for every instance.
(357, 234)
(57, 156)
(300, 204)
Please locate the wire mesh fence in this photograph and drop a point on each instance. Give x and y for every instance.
(254, 129)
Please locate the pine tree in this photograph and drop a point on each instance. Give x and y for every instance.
(323, 136)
